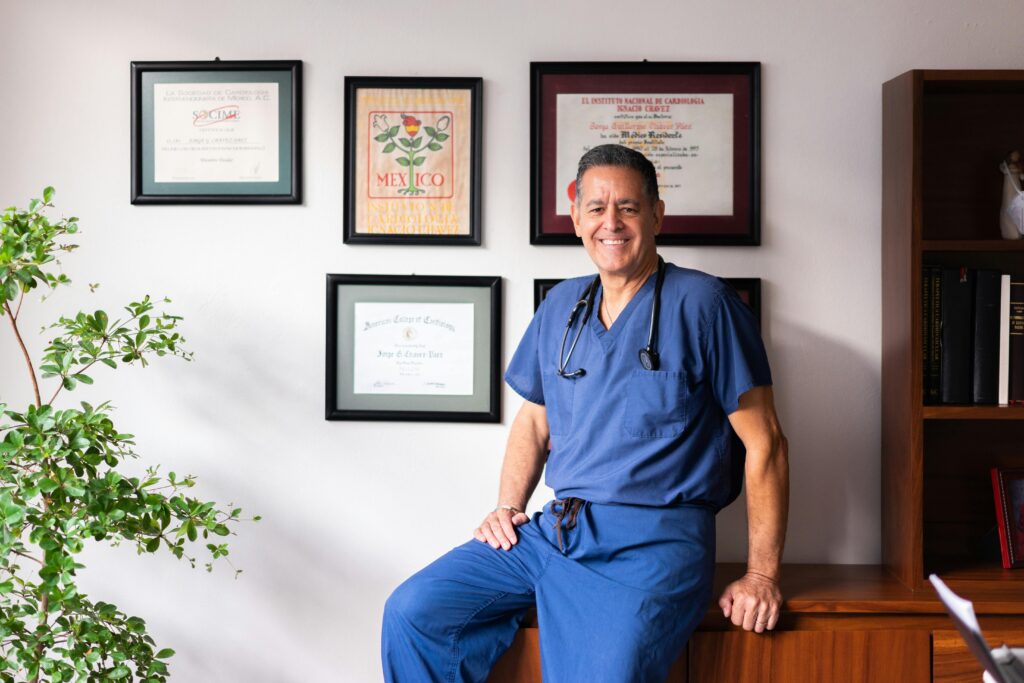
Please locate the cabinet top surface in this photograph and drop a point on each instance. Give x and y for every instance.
(862, 588)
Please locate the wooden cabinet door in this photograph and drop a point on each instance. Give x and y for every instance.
(902, 656)
(952, 662)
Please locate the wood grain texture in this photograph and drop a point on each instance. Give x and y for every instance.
(820, 656)
(869, 589)
(952, 662)
(901, 329)
(974, 412)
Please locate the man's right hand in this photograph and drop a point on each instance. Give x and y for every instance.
(499, 528)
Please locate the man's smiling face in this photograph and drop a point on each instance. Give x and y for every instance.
(616, 220)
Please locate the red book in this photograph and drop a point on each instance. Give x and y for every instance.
(1008, 490)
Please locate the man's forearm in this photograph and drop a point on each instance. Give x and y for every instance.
(767, 480)
(525, 456)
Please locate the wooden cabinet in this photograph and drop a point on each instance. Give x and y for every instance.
(820, 656)
(953, 662)
(840, 624)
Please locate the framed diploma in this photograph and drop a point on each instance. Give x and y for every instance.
(748, 288)
(411, 347)
(216, 132)
(698, 123)
(412, 160)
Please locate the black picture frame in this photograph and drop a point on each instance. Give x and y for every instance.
(742, 80)
(342, 402)
(384, 204)
(541, 287)
(146, 188)
(748, 288)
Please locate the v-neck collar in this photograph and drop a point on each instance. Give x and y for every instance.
(608, 336)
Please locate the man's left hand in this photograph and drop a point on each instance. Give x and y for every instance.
(752, 602)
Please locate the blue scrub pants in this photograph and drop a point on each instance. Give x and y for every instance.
(617, 594)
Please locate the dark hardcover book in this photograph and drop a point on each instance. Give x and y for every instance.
(935, 338)
(957, 334)
(1017, 341)
(986, 336)
(926, 327)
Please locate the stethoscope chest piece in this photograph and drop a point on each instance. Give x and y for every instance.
(649, 359)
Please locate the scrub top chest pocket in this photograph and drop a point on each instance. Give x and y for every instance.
(656, 404)
(559, 393)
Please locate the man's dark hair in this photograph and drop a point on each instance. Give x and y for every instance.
(617, 155)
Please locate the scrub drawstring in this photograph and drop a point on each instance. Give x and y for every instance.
(565, 511)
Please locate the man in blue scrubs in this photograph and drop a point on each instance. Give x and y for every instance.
(641, 458)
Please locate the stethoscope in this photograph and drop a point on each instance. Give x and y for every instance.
(649, 358)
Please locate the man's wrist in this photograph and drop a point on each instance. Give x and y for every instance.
(773, 577)
(511, 508)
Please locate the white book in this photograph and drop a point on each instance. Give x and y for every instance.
(1004, 341)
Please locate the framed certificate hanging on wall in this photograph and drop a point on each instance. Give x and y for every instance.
(412, 160)
(409, 347)
(216, 132)
(698, 123)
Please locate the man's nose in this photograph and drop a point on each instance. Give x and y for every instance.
(612, 219)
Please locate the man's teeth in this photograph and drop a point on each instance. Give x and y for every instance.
(613, 241)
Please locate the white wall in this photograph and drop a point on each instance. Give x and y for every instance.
(352, 508)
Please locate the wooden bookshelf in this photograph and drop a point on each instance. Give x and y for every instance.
(944, 134)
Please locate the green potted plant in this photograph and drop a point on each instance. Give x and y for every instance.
(63, 481)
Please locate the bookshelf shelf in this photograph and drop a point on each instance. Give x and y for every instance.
(973, 245)
(973, 412)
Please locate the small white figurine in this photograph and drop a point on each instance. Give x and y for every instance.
(1011, 217)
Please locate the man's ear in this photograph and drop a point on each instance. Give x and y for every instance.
(574, 211)
(659, 215)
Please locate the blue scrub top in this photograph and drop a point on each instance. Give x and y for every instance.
(622, 434)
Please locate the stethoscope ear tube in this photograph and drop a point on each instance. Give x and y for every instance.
(649, 358)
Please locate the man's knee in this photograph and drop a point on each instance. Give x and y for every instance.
(410, 603)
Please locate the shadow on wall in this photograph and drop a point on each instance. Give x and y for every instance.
(826, 395)
(307, 598)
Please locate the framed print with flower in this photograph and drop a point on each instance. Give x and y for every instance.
(412, 160)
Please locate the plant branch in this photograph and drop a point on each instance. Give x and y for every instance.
(28, 359)
(20, 300)
(28, 557)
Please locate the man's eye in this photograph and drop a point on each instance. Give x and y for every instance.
(628, 209)
(597, 209)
